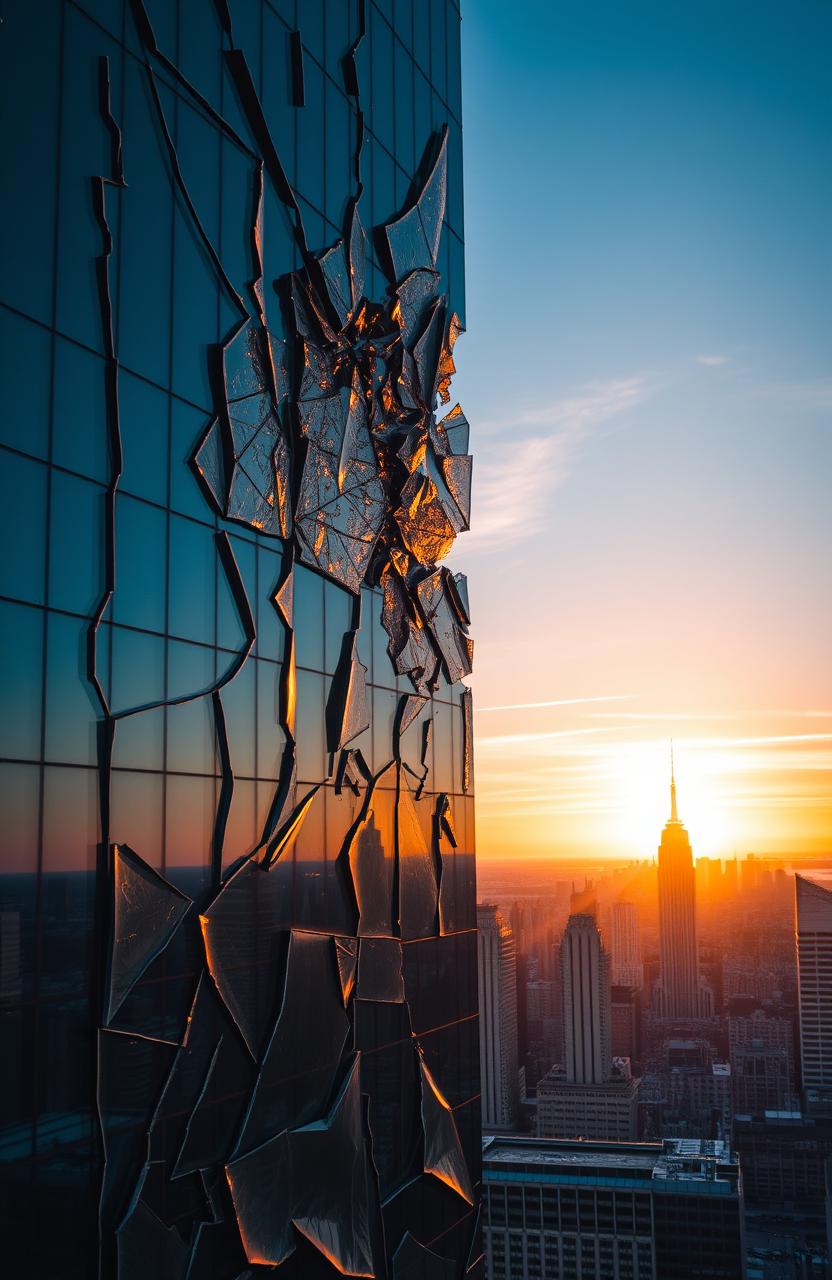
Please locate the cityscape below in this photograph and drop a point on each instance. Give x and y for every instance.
(664, 1024)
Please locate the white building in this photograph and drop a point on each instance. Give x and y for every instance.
(813, 926)
(497, 970)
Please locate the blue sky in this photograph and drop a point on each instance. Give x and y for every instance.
(647, 372)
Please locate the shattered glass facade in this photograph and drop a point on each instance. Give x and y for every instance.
(237, 926)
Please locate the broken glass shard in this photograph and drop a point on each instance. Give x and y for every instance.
(336, 277)
(416, 294)
(342, 502)
(284, 597)
(413, 238)
(214, 1121)
(348, 713)
(210, 465)
(332, 1173)
(451, 434)
(411, 705)
(146, 1247)
(357, 256)
(467, 702)
(456, 472)
(418, 891)
(447, 368)
(127, 1112)
(288, 832)
(440, 614)
(241, 931)
(426, 354)
(346, 953)
(408, 644)
(443, 1150)
(147, 910)
(380, 970)
(304, 1052)
(413, 1261)
(372, 859)
(261, 1187)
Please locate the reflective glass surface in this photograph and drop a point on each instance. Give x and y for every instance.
(237, 990)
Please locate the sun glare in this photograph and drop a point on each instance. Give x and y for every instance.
(641, 777)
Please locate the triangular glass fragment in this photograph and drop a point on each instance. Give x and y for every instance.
(332, 1175)
(346, 953)
(146, 912)
(443, 1150)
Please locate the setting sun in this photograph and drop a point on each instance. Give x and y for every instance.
(639, 776)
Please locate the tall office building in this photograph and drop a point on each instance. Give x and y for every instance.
(625, 1023)
(625, 945)
(583, 1099)
(669, 1210)
(237, 786)
(499, 1067)
(813, 928)
(759, 1079)
(585, 976)
(680, 992)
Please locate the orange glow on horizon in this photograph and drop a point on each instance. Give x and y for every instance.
(570, 780)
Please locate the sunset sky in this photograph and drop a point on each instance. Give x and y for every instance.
(647, 373)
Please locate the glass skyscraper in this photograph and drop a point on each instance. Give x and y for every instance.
(238, 952)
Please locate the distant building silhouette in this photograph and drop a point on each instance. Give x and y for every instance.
(498, 1019)
(680, 992)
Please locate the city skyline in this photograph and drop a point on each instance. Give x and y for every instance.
(654, 352)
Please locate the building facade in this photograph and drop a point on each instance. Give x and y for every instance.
(785, 1156)
(625, 941)
(585, 978)
(760, 1079)
(625, 1023)
(813, 928)
(239, 998)
(499, 1067)
(583, 1099)
(603, 1112)
(641, 1211)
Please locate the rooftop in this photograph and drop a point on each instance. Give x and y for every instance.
(692, 1161)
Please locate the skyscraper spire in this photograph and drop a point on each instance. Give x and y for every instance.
(674, 816)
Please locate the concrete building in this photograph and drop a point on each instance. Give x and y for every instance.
(784, 1157)
(760, 1078)
(625, 1023)
(747, 1026)
(627, 968)
(669, 1210)
(582, 1100)
(813, 928)
(607, 1111)
(497, 975)
(585, 976)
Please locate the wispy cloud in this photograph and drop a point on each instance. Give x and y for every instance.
(812, 394)
(500, 740)
(512, 490)
(713, 361)
(559, 702)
